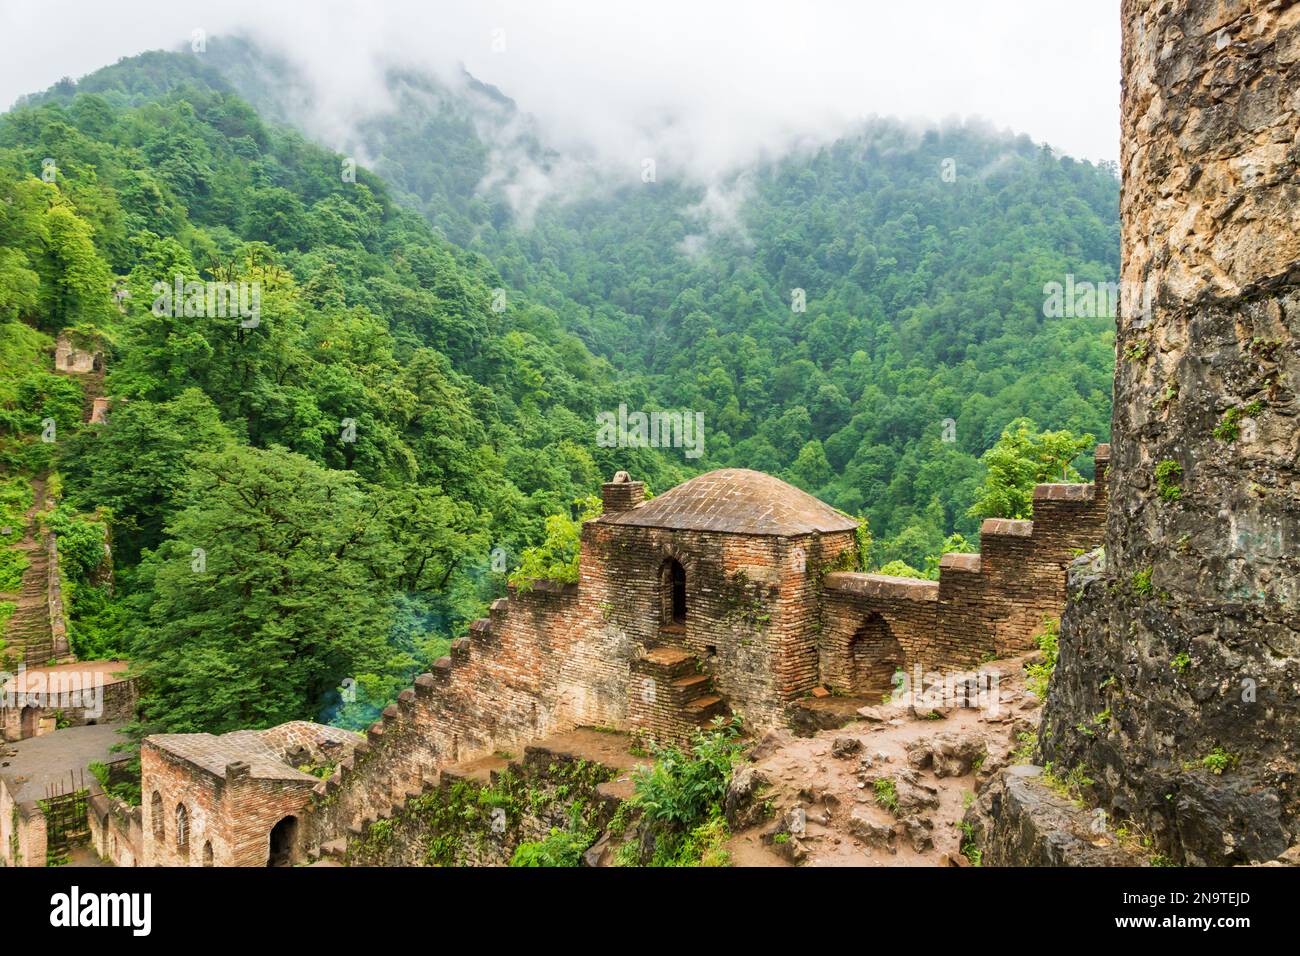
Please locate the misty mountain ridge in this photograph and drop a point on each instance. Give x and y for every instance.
(918, 256)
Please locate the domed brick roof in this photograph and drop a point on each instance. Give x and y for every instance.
(736, 501)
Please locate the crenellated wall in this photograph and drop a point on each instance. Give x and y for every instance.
(531, 668)
(984, 605)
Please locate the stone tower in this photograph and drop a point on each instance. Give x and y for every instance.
(1178, 685)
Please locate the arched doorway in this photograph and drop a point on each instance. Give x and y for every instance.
(283, 837)
(672, 595)
(874, 656)
(29, 722)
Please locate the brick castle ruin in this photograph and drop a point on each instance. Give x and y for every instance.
(730, 593)
(1175, 692)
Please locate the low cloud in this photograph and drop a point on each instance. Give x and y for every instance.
(703, 89)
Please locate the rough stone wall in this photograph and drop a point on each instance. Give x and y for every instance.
(983, 605)
(467, 821)
(1019, 821)
(234, 813)
(60, 649)
(1190, 637)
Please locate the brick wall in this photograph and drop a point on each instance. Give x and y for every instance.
(116, 833)
(233, 814)
(537, 664)
(986, 604)
(554, 656)
(22, 831)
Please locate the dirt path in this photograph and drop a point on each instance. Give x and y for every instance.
(928, 769)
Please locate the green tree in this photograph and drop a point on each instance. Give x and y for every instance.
(556, 558)
(1021, 458)
(268, 592)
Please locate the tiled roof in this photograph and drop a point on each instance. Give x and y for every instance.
(264, 751)
(738, 501)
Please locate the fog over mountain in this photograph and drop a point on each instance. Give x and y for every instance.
(700, 88)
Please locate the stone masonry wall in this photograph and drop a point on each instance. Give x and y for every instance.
(1188, 635)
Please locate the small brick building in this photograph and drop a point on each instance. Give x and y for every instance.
(234, 799)
(715, 583)
(731, 593)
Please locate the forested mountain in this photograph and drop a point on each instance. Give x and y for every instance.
(434, 343)
(923, 291)
(364, 440)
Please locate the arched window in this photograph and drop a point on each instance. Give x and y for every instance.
(156, 815)
(182, 829)
(207, 853)
(672, 594)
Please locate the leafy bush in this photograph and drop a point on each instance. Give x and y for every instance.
(1218, 760)
(1038, 674)
(12, 565)
(1021, 458)
(560, 848)
(886, 793)
(684, 788)
(81, 542)
(680, 796)
(556, 558)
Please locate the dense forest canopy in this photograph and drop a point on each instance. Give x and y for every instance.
(919, 259)
(313, 489)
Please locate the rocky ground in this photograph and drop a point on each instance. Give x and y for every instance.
(889, 788)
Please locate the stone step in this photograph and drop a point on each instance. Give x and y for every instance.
(695, 682)
(668, 656)
(709, 703)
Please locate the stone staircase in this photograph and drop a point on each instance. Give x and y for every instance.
(671, 696)
(28, 636)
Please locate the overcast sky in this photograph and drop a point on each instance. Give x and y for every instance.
(723, 79)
